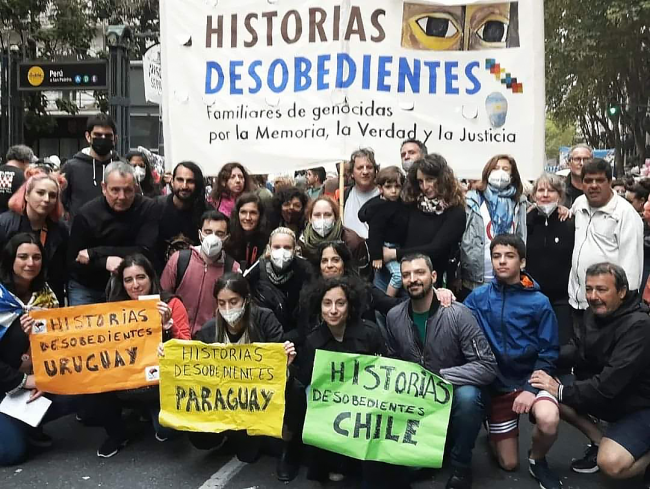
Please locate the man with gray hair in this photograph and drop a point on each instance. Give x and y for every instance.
(118, 223)
(12, 173)
(611, 366)
(578, 156)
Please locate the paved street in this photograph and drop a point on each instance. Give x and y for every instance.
(146, 463)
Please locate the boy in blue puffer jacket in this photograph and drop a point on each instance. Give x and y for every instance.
(522, 330)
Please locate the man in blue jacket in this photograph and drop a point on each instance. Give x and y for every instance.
(521, 327)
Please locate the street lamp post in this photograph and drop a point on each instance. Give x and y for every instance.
(118, 39)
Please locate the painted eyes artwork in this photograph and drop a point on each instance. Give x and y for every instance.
(460, 28)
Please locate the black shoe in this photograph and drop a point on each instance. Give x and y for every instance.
(288, 466)
(111, 446)
(37, 438)
(460, 479)
(588, 464)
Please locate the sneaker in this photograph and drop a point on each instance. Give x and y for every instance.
(540, 470)
(161, 438)
(588, 463)
(111, 446)
(335, 477)
(460, 479)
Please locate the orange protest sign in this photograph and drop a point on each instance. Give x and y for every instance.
(96, 348)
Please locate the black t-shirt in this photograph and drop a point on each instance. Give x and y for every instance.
(177, 229)
(11, 178)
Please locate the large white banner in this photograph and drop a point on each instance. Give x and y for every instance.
(287, 84)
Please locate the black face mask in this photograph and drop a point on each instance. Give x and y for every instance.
(102, 146)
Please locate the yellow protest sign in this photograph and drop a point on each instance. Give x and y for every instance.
(96, 348)
(218, 387)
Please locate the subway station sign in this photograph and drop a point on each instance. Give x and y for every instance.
(74, 75)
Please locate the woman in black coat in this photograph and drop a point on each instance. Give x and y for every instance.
(238, 321)
(549, 248)
(277, 279)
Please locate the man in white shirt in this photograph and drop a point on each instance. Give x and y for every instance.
(364, 171)
(608, 229)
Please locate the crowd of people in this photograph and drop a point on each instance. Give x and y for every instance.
(526, 296)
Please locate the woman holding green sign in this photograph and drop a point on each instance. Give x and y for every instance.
(340, 302)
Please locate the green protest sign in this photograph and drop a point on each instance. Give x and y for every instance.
(376, 408)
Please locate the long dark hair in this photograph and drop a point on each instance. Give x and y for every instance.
(147, 185)
(221, 188)
(198, 197)
(238, 284)
(8, 258)
(434, 165)
(236, 243)
(287, 195)
(118, 292)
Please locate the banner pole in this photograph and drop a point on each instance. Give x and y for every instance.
(341, 186)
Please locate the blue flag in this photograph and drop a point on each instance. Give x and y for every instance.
(10, 308)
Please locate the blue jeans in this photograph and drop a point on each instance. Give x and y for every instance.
(467, 415)
(14, 433)
(79, 295)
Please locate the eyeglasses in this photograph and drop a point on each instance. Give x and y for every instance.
(578, 159)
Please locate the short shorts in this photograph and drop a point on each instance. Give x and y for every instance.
(632, 432)
(503, 422)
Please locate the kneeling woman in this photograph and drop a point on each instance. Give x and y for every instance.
(22, 273)
(136, 277)
(237, 321)
(340, 303)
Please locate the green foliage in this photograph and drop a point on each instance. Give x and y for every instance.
(598, 56)
(557, 136)
(64, 29)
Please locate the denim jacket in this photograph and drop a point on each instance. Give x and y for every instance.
(472, 246)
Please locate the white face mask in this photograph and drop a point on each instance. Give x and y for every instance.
(547, 209)
(281, 258)
(322, 226)
(499, 179)
(139, 173)
(406, 165)
(211, 245)
(232, 316)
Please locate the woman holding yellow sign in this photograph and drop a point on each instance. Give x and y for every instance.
(238, 321)
(23, 287)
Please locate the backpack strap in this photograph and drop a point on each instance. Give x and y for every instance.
(346, 193)
(228, 263)
(183, 262)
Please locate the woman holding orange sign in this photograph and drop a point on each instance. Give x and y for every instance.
(136, 278)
